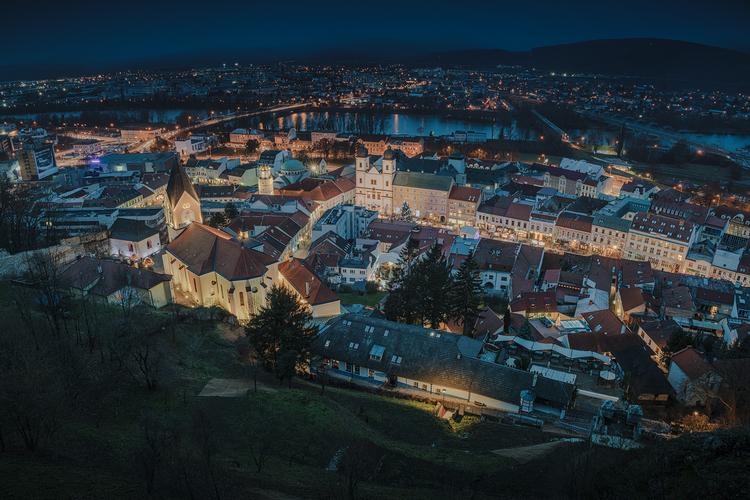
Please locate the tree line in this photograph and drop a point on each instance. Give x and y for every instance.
(424, 291)
(27, 221)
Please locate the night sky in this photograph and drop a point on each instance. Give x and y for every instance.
(90, 31)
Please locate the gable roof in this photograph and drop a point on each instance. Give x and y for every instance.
(441, 358)
(603, 342)
(108, 276)
(131, 230)
(301, 276)
(646, 376)
(205, 249)
(423, 181)
(691, 361)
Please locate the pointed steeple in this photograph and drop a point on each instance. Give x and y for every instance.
(181, 203)
(179, 183)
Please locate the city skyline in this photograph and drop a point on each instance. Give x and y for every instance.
(97, 33)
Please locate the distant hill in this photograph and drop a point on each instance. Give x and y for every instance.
(646, 57)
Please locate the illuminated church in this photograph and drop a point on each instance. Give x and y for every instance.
(182, 206)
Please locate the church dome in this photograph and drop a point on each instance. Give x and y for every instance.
(292, 165)
(389, 154)
(362, 152)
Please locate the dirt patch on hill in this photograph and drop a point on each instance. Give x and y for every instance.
(232, 388)
(526, 454)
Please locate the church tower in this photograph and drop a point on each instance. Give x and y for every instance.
(182, 206)
(265, 180)
(363, 165)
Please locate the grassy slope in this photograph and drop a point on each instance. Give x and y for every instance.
(422, 454)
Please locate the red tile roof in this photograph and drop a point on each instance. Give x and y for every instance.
(204, 249)
(462, 193)
(299, 274)
(691, 362)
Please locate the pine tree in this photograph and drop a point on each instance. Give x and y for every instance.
(507, 318)
(280, 328)
(230, 211)
(406, 214)
(435, 287)
(466, 295)
(525, 332)
(218, 220)
(402, 300)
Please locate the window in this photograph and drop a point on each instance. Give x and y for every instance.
(416, 385)
(353, 345)
(148, 244)
(130, 247)
(334, 364)
(424, 387)
(242, 299)
(349, 367)
(328, 342)
(376, 353)
(370, 373)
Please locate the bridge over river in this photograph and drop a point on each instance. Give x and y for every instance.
(668, 133)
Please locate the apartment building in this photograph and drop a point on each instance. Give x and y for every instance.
(137, 134)
(462, 205)
(426, 194)
(574, 228)
(609, 233)
(661, 240)
(37, 162)
(87, 147)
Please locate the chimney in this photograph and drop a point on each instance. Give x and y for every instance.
(307, 288)
(99, 269)
(533, 384)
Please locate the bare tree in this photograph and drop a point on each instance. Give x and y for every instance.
(138, 353)
(578, 468)
(43, 273)
(356, 460)
(36, 388)
(263, 432)
(207, 433)
(734, 392)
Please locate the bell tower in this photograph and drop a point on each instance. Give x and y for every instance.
(265, 180)
(182, 206)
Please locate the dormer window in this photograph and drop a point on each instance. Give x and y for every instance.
(376, 353)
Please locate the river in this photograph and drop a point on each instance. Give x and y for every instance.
(405, 124)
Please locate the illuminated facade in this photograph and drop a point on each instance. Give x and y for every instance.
(182, 206)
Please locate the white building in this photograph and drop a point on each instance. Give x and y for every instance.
(87, 147)
(661, 240)
(375, 181)
(130, 238)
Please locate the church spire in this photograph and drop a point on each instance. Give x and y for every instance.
(181, 204)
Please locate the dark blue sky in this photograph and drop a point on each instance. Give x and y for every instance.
(86, 31)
